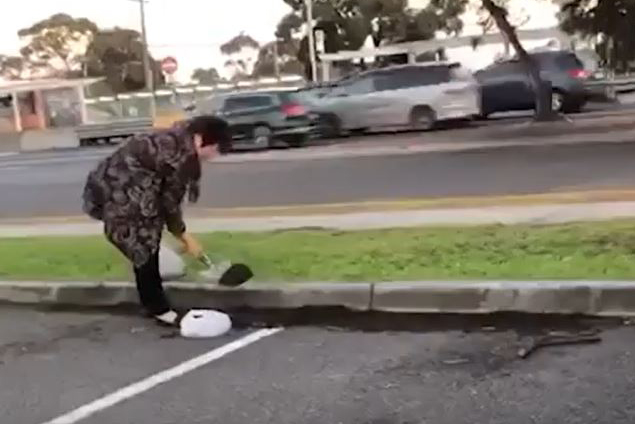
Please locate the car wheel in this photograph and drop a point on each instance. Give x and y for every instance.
(330, 126)
(422, 118)
(263, 137)
(557, 101)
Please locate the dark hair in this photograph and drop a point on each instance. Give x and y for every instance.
(213, 130)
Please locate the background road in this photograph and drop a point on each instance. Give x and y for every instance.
(53, 363)
(51, 184)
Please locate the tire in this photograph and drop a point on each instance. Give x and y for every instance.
(558, 101)
(330, 126)
(263, 137)
(422, 118)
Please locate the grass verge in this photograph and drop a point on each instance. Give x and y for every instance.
(602, 250)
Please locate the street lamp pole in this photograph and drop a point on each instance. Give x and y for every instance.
(276, 59)
(311, 38)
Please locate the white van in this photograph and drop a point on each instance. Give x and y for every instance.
(412, 96)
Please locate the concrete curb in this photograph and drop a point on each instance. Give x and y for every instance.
(600, 298)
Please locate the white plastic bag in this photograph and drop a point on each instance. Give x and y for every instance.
(205, 323)
(171, 265)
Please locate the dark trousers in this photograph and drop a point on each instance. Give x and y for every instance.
(150, 287)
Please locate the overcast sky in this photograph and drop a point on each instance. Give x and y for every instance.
(190, 30)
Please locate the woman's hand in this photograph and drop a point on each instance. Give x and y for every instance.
(191, 245)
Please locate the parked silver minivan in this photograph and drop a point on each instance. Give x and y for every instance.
(414, 96)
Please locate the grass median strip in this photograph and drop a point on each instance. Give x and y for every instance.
(600, 250)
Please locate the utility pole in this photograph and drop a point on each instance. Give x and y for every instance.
(276, 63)
(311, 38)
(147, 69)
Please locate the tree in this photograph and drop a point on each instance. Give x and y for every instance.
(347, 24)
(241, 50)
(286, 48)
(238, 43)
(117, 55)
(206, 76)
(11, 67)
(57, 41)
(542, 91)
(278, 57)
(487, 23)
(388, 21)
(289, 26)
(612, 20)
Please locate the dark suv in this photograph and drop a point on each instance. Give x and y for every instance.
(262, 119)
(505, 86)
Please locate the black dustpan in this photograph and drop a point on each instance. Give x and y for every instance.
(234, 275)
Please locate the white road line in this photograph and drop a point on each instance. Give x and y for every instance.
(142, 386)
(13, 168)
(51, 161)
(7, 154)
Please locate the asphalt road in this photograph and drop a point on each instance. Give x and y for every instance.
(51, 184)
(53, 363)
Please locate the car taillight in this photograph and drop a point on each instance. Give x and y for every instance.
(293, 110)
(579, 73)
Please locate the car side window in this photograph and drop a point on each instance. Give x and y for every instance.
(211, 105)
(415, 76)
(361, 86)
(433, 75)
(338, 90)
(387, 81)
(246, 102)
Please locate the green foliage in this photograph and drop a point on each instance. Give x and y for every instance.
(11, 67)
(206, 76)
(117, 55)
(57, 37)
(615, 19)
(388, 21)
(286, 56)
(598, 250)
(348, 23)
(238, 43)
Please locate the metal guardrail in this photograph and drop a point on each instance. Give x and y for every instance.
(107, 132)
(614, 87)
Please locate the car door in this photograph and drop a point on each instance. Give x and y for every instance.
(505, 86)
(244, 112)
(391, 106)
(349, 101)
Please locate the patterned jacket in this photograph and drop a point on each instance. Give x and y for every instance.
(138, 190)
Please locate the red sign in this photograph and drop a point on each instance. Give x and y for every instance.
(169, 65)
